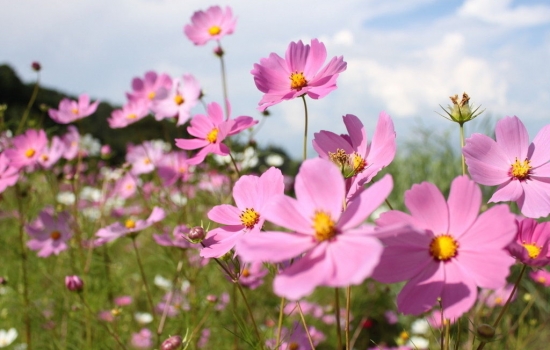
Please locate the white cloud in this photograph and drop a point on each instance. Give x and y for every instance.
(502, 13)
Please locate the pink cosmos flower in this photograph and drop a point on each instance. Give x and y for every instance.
(531, 245)
(123, 300)
(251, 194)
(184, 96)
(27, 148)
(70, 110)
(358, 160)
(519, 168)
(130, 226)
(328, 238)
(297, 338)
(71, 140)
(143, 339)
(8, 174)
(300, 72)
(144, 157)
(49, 233)
(126, 186)
(130, 113)
(252, 275)
(210, 131)
(497, 297)
(443, 258)
(50, 155)
(172, 167)
(212, 24)
(151, 88)
(179, 239)
(541, 276)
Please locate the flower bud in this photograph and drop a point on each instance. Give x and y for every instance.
(3, 281)
(461, 111)
(74, 283)
(485, 332)
(36, 66)
(196, 234)
(218, 51)
(172, 343)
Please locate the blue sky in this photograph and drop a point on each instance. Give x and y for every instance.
(404, 56)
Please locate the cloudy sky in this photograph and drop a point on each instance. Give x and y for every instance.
(404, 56)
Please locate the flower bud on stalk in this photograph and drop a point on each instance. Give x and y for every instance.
(196, 234)
(461, 111)
(74, 283)
(485, 332)
(172, 343)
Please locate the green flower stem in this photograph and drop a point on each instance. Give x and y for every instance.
(337, 314)
(236, 282)
(461, 147)
(29, 106)
(160, 328)
(224, 84)
(144, 279)
(348, 308)
(105, 325)
(305, 326)
(280, 323)
(305, 128)
(235, 164)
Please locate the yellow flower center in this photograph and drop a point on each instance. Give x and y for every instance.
(404, 335)
(182, 170)
(324, 226)
(29, 153)
(55, 235)
(212, 136)
(147, 161)
(179, 99)
(245, 272)
(520, 170)
(130, 224)
(532, 250)
(249, 217)
(541, 279)
(443, 247)
(151, 95)
(349, 164)
(498, 301)
(45, 157)
(74, 110)
(214, 30)
(297, 81)
(293, 346)
(131, 116)
(359, 164)
(129, 187)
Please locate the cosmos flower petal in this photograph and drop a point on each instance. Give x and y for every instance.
(459, 293)
(221, 240)
(511, 190)
(225, 214)
(539, 150)
(495, 228)
(421, 292)
(245, 192)
(273, 246)
(477, 266)
(464, 204)
(487, 162)
(428, 206)
(536, 201)
(512, 137)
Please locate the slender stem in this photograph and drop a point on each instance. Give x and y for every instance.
(24, 261)
(109, 330)
(461, 147)
(144, 279)
(29, 106)
(337, 314)
(280, 323)
(249, 310)
(305, 326)
(305, 127)
(357, 332)
(348, 308)
(169, 301)
(235, 164)
(505, 307)
(224, 83)
(447, 335)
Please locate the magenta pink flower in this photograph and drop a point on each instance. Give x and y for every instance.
(172, 167)
(144, 157)
(212, 24)
(541, 276)
(297, 338)
(130, 226)
(328, 239)
(50, 155)
(8, 174)
(179, 239)
(126, 186)
(74, 283)
(27, 148)
(70, 110)
(143, 339)
(252, 275)
(453, 252)
(210, 131)
(358, 160)
(519, 168)
(531, 245)
(130, 113)
(184, 96)
(49, 233)
(251, 194)
(497, 297)
(71, 140)
(152, 87)
(300, 72)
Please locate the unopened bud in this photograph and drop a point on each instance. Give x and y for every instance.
(74, 283)
(218, 51)
(3, 281)
(36, 66)
(211, 298)
(172, 343)
(461, 111)
(485, 332)
(196, 234)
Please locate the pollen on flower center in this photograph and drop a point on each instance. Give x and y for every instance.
(212, 136)
(214, 30)
(29, 153)
(130, 224)
(443, 248)
(249, 217)
(324, 226)
(45, 157)
(541, 279)
(293, 346)
(245, 273)
(532, 250)
(151, 95)
(55, 235)
(520, 170)
(131, 116)
(359, 164)
(74, 110)
(297, 81)
(179, 99)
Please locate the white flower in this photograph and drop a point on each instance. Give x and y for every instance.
(221, 160)
(91, 213)
(162, 282)
(178, 199)
(143, 317)
(419, 343)
(91, 194)
(274, 160)
(420, 326)
(249, 158)
(7, 337)
(90, 145)
(66, 198)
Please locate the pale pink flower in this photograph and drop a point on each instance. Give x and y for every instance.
(184, 96)
(172, 167)
(27, 148)
(496, 297)
(50, 155)
(130, 113)
(130, 226)
(252, 275)
(126, 186)
(328, 239)
(210, 131)
(519, 168)
(71, 140)
(152, 87)
(123, 300)
(251, 194)
(179, 238)
(8, 174)
(300, 72)
(212, 24)
(358, 160)
(453, 251)
(531, 245)
(49, 233)
(296, 338)
(70, 110)
(143, 339)
(144, 157)
(541, 276)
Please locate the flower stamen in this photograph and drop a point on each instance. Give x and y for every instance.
(249, 217)
(178, 99)
(324, 226)
(532, 250)
(297, 81)
(130, 224)
(214, 30)
(443, 248)
(55, 235)
(520, 170)
(212, 136)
